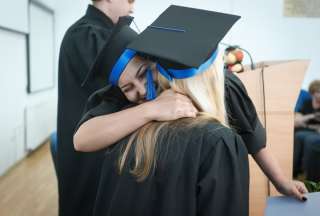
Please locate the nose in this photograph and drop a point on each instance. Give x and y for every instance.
(141, 89)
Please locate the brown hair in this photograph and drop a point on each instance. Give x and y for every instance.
(314, 87)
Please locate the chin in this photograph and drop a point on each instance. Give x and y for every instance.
(141, 101)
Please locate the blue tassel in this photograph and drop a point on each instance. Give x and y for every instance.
(151, 89)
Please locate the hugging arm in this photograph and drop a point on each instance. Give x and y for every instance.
(107, 124)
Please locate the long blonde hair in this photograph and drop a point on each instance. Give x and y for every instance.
(206, 90)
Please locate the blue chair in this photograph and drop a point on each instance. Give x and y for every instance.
(303, 96)
(54, 148)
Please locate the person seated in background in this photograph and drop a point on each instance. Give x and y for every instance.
(307, 135)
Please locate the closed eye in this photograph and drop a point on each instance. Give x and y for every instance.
(142, 71)
(127, 88)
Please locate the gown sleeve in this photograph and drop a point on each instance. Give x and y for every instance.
(223, 181)
(242, 115)
(83, 45)
(104, 101)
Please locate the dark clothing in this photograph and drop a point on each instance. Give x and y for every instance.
(307, 108)
(200, 170)
(306, 155)
(242, 114)
(241, 111)
(205, 172)
(312, 158)
(78, 173)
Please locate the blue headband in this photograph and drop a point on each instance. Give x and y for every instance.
(120, 65)
(169, 74)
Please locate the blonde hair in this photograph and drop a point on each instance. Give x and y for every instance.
(206, 90)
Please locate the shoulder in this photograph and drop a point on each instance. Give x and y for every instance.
(307, 102)
(215, 139)
(217, 133)
(306, 106)
(209, 133)
(83, 29)
(222, 143)
(234, 86)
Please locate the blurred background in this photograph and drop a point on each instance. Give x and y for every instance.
(31, 32)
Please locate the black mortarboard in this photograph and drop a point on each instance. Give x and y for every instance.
(120, 37)
(183, 37)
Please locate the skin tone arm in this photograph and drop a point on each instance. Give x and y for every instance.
(95, 134)
(300, 119)
(314, 127)
(272, 170)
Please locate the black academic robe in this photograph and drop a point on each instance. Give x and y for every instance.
(242, 117)
(201, 170)
(242, 114)
(78, 173)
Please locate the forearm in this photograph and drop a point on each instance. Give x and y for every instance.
(270, 166)
(103, 131)
(300, 119)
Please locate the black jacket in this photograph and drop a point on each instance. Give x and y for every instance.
(78, 173)
(200, 170)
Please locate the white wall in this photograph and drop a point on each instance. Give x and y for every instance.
(68, 12)
(48, 3)
(13, 64)
(13, 86)
(269, 36)
(14, 15)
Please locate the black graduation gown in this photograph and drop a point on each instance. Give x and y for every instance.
(200, 171)
(78, 173)
(241, 112)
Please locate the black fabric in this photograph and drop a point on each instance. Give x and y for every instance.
(306, 145)
(121, 36)
(78, 173)
(106, 100)
(201, 33)
(242, 114)
(307, 108)
(201, 170)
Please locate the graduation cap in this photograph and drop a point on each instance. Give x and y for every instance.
(113, 57)
(183, 40)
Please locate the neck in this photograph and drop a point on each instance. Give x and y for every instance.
(103, 6)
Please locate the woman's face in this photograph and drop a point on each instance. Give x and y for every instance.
(316, 96)
(118, 8)
(132, 81)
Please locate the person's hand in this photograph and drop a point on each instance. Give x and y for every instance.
(170, 105)
(293, 188)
